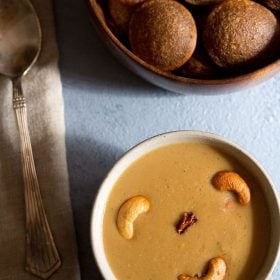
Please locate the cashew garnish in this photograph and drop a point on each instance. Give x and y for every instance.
(216, 271)
(231, 181)
(128, 213)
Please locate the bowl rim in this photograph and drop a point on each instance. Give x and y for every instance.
(267, 70)
(189, 136)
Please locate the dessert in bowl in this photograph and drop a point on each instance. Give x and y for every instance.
(214, 46)
(186, 204)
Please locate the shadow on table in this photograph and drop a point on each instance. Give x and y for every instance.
(86, 65)
(86, 62)
(89, 161)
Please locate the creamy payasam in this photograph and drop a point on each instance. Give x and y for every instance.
(174, 183)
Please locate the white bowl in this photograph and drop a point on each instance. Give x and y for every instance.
(175, 137)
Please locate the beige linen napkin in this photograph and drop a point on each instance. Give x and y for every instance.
(43, 92)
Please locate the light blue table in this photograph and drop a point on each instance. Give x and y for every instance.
(108, 110)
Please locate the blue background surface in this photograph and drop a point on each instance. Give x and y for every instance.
(108, 110)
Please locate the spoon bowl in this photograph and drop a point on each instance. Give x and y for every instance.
(20, 37)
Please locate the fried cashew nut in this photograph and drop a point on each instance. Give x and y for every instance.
(128, 213)
(231, 181)
(216, 271)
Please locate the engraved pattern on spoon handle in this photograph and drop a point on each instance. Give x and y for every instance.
(42, 258)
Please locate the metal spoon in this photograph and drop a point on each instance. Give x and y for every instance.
(20, 45)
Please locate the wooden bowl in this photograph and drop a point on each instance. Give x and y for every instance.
(168, 80)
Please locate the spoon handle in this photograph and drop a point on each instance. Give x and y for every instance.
(42, 258)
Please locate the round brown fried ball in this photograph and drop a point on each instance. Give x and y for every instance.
(198, 66)
(163, 33)
(131, 2)
(203, 2)
(120, 15)
(273, 4)
(240, 33)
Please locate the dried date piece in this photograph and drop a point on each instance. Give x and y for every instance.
(187, 220)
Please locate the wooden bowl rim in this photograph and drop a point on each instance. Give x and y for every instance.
(271, 68)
